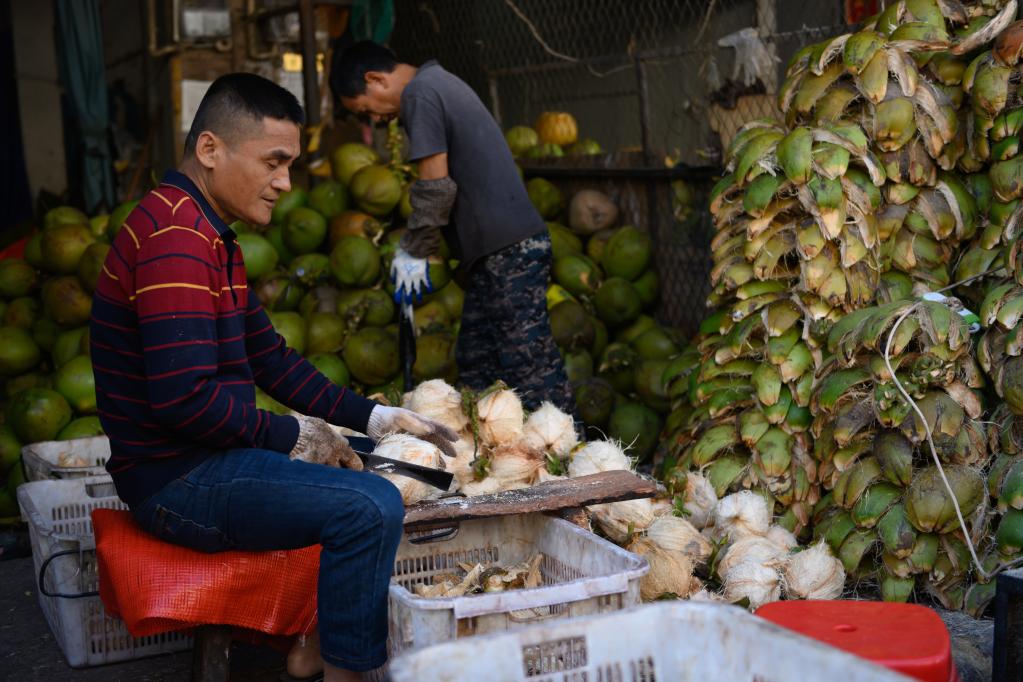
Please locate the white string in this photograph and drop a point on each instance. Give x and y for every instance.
(930, 441)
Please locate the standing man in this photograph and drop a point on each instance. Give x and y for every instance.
(178, 348)
(469, 191)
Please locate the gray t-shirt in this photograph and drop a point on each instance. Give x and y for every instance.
(441, 113)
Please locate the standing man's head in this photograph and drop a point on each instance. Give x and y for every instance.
(244, 138)
(369, 80)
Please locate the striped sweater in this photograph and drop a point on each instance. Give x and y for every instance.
(178, 346)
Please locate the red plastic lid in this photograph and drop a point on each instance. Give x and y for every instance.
(907, 638)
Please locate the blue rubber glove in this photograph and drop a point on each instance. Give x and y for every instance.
(411, 277)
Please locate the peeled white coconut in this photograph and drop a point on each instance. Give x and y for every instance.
(410, 449)
(676, 534)
(741, 514)
(700, 500)
(750, 549)
(670, 572)
(615, 518)
(814, 573)
(550, 430)
(706, 595)
(500, 417)
(782, 537)
(513, 466)
(439, 401)
(758, 583)
(597, 456)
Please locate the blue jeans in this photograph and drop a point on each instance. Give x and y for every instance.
(260, 500)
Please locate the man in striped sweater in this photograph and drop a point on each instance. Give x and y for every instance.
(179, 346)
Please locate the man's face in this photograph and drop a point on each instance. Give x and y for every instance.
(252, 171)
(380, 102)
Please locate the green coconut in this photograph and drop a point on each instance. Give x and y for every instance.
(521, 139)
(563, 242)
(578, 365)
(17, 278)
(45, 332)
(585, 147)
(637, 427)
(310, 269)
(544, 150)
(74, 380)
(641, 325)
(928, 505)
(600, 337)
(64, 215)
(648, 286)
(1009, 536)
(278, 291)
(354, 224)
(22, 312)
(329, 198)
(365, 307)
(258, 253)
(83, 427)
(617, 366)
(435, 357)
(617, 302)
(349, 158)
(63, 246)
(547, 198)
(304, 230)
(371, 355)
(355, 262)
(596, 244)
(325, 333)
(286, 203)
(452, 298)
(332, 367)
(38, 414)
(376, 189)
(570, 326)
(18, 351)
(34, 251)
(10, 450)
(655, 344)
(577, 273)
(595, 400)
(649, 385)
(430, 317)
(627, 253)
(119, 215)
(67, 345)
(292, 327)
(66, 302)
(91, 265)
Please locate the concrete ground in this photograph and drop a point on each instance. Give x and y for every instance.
(29, 653)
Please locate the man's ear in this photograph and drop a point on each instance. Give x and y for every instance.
(377, 78)
(207, 149)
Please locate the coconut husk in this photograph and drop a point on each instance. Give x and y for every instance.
(700, 500)
(591, 211)
(437, 400)
(814, 573)
(751, 549)
(672, 533)
(598, 456)
(550, 430)
(670, 572)
(782, 537)
(741, 514)
(754, 582)
(500, 417)
(410, 449)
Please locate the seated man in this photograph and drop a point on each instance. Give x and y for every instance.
(179, 346)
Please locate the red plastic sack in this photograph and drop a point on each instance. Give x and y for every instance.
(15, 250)
(158, 587)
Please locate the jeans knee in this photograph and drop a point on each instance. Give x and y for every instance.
(392, 509)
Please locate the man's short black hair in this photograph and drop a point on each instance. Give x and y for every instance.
(349, 67)
(238, 95)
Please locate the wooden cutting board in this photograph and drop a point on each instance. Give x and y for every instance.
(552, 496)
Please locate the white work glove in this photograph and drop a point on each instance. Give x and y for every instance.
(411, 277)
(384, 420)
(318, 444)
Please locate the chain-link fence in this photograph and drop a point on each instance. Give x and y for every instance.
(641, 76)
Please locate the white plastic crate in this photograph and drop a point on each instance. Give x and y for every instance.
(59, 519)
(582, 574)
(652, 643)
(43, 460)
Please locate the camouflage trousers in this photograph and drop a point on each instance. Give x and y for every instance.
(506, 333)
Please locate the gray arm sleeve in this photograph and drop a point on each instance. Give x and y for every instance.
(431, 202)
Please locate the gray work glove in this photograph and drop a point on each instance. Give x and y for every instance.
(431, 210)
(318, 444)
(384, 420)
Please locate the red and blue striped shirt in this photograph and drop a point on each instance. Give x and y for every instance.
(178, 346)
